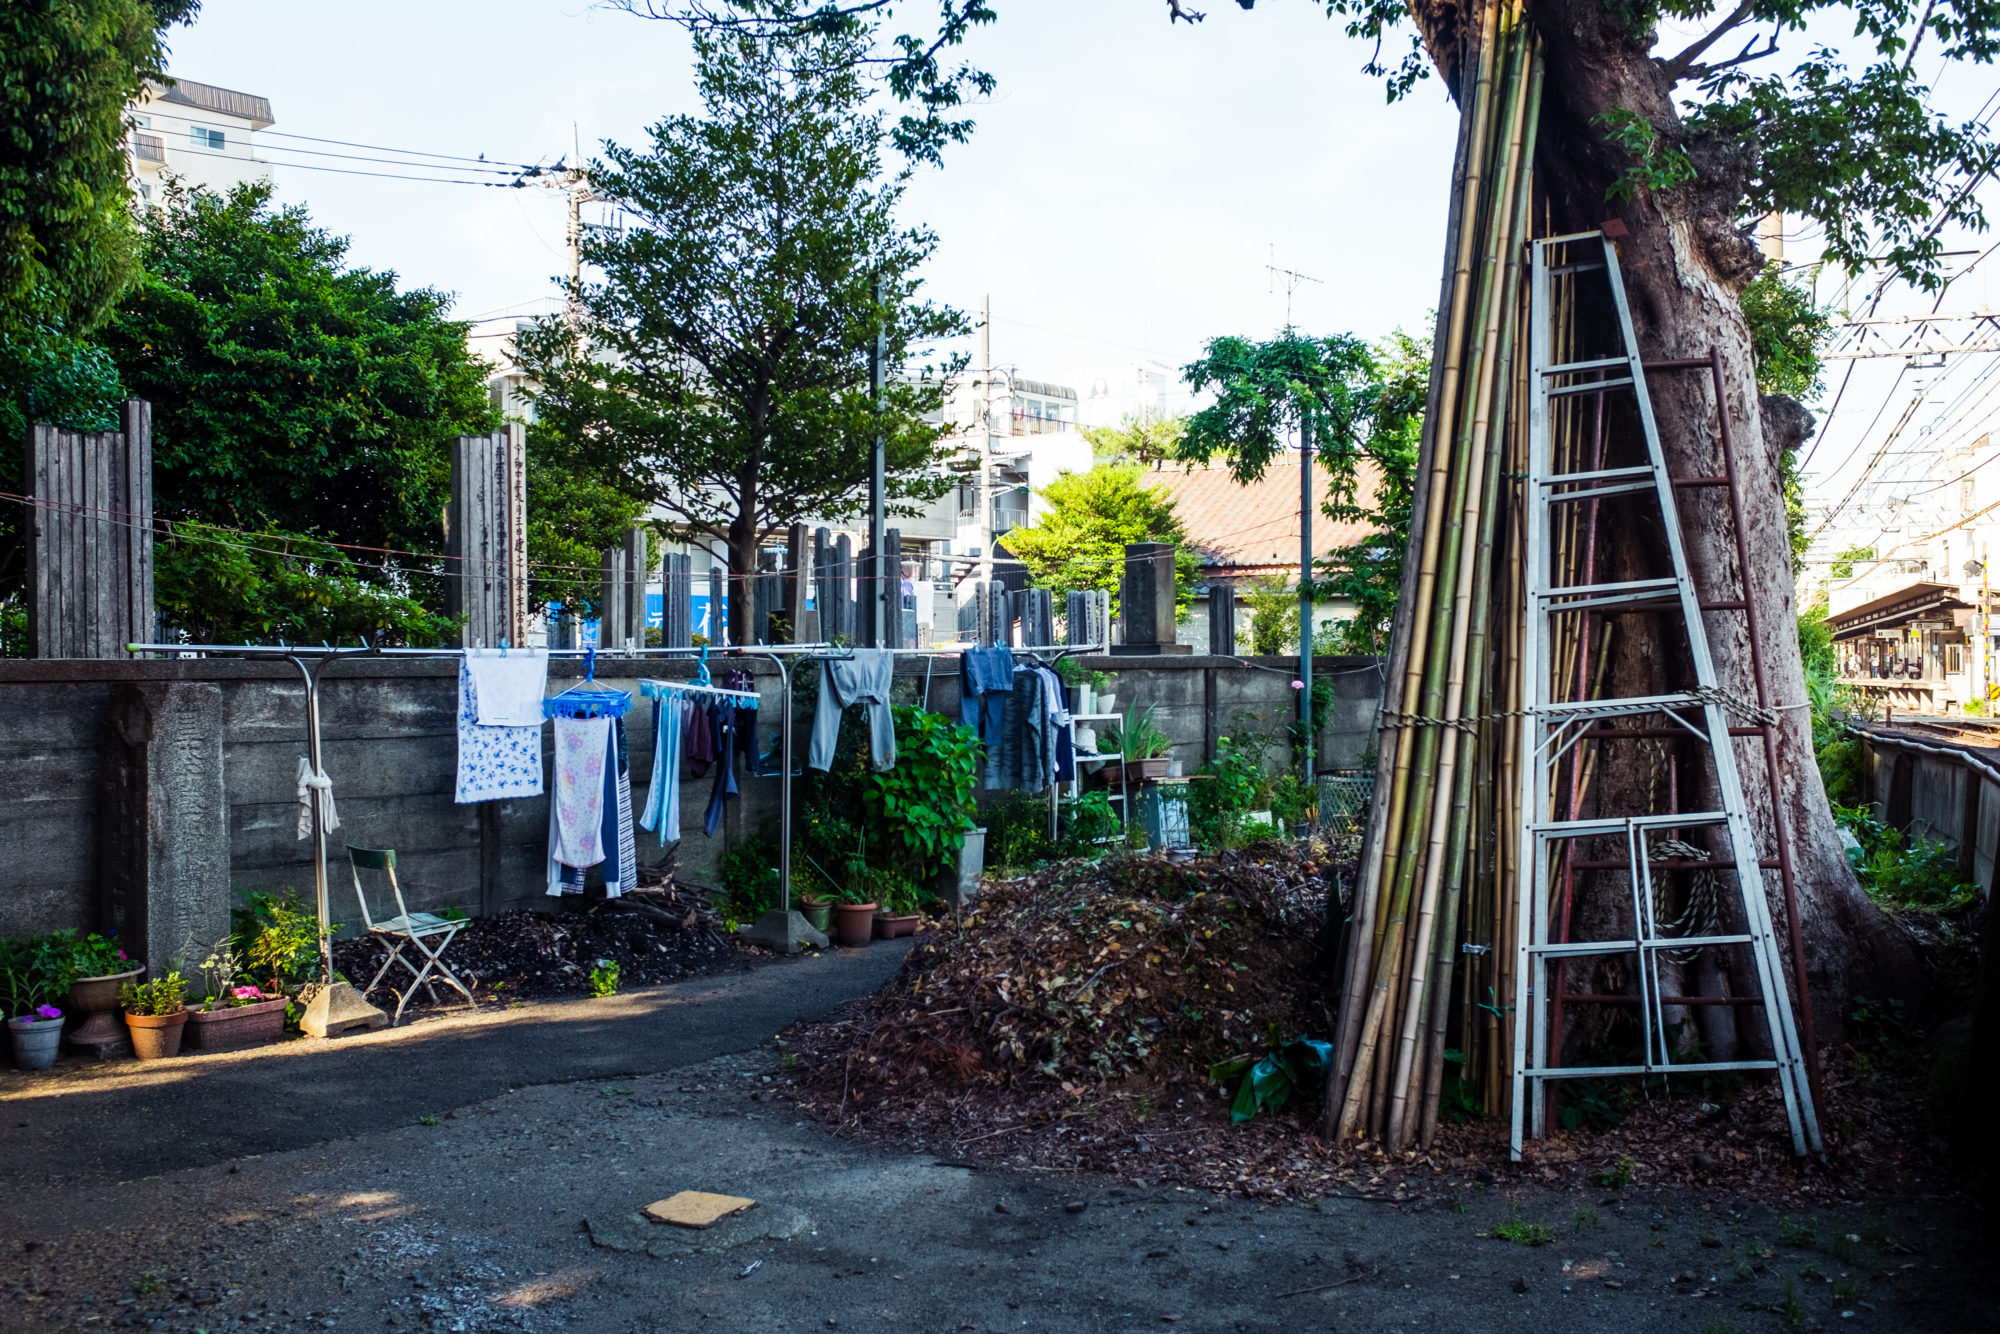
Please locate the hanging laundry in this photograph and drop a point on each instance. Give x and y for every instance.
(590, 818)
(863, 679)
(315, 785)
(663, 795)
(746, 717)
(576, 816)
(621, 846)
(698, 736)
(509, 684)
(496, 761)
(1025, 741)
(722, 725)
(1062, 751)
(985, 680)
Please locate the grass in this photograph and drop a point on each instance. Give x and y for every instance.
(1528, 1234)
(148, 1283)
(1581, 1219)
(1617, 1174)
(1843, 1293)
(1792, 1310)
(1791, 1232)
(427, 1120)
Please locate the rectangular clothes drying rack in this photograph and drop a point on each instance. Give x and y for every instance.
(313, 661)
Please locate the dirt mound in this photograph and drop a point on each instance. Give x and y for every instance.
(1137, 969)
(666, 934)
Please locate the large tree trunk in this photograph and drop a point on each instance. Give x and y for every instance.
(1685, 265)
(744, 539)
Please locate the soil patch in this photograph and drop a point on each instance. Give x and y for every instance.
(668, 933)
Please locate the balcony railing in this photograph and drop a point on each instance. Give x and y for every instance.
(149, 148)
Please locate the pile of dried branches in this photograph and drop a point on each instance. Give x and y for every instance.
(1133, 970)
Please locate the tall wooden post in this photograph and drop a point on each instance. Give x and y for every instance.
(90, 539)
(486, 537)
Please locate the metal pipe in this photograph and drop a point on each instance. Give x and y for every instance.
(1778, 825)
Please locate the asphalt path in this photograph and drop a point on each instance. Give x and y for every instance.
(124, 1120)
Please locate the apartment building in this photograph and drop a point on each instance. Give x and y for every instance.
(201, 134)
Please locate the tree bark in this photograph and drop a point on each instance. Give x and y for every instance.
(743, 542)
(1685, 264)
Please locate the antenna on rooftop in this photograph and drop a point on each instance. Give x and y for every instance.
(1292, 278)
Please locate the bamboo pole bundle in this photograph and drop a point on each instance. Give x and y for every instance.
(1423, 854)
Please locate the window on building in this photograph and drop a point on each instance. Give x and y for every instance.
(203, 137)
(1954, 659)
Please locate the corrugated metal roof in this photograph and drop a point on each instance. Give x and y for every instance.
(222, 101)
(1044, 388)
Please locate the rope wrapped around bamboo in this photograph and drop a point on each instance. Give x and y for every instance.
(1420, 857)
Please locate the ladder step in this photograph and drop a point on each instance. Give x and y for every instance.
(1701, 481)
(1582, 597)
(1674, 864)
(1573, 367)
(1577, 268)
(1600, 475)
(1618, 708)
(1617, 824)
(1599, 492)
(1574, 948)
(1586, 386)
(1616, 1071)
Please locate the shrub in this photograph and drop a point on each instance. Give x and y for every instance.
(164, 995)
(278, 936)
(748, 874)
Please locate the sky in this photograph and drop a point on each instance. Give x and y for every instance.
(1127, 186)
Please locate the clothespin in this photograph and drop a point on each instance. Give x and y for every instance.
(590, 664)
(701, 667)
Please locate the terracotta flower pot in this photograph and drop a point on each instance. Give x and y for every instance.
(254, 1025)
(890, 926)
(93, 1005)
(853, 924)
(35, 1041)
(155, 1037)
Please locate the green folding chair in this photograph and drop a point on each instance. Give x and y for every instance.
(405, 928)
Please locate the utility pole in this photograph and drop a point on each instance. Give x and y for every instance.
(1306, 594)
(986, 533)
(875, 630)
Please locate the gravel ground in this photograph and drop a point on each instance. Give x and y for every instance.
(516, 1213)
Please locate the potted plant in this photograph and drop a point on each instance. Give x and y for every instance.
(98, 971)
(238, 1012)
(34, 973)
(854, 919)
(1142, 748)
(155, 1014)
(818, 912)
(900, 913)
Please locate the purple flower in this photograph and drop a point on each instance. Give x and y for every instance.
(1298, 685)
(47, 1012)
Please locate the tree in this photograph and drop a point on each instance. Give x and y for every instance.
(720, 369)
(1369, 573)
(68, 69)
(291, 393)
(1144, 438)
(1079, 541)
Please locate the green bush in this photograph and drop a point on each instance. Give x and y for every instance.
(164, 995)
(1236, 782)
(1898, 872)
(921, 810)
(278, 936)
(748, 874)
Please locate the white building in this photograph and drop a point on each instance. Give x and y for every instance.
(203, 135)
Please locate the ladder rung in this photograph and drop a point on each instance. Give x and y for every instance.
(1655, 733)
(1572, 948)
(1616, 824)
(1586, 386)
(1618, 708)
(1675, 864)
(1599, 999)
(1701, 481)
(1599, 492)
(1574, 367)
(1601, 475)
(1577, 268)
(1584, 597)
(1616, 1071)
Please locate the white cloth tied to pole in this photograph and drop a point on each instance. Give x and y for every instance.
(315, 786)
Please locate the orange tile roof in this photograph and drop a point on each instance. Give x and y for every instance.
(1253, 529)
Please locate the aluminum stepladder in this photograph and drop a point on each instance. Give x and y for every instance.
(1554, 726)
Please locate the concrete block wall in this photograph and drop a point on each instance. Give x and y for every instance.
(389, 742)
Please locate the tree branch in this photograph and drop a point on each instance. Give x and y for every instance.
(1175, 13)
(1680, 66)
